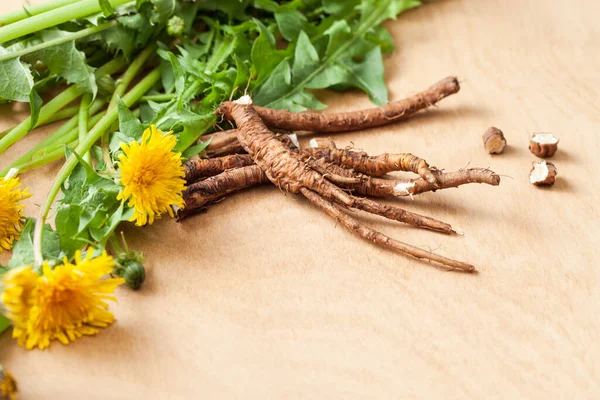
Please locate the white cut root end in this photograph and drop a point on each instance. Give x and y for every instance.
(404, 189)
(544, 138)
(245, 100)
(543, 173)
(313, 143)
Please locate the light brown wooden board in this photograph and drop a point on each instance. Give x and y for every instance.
(265, 297)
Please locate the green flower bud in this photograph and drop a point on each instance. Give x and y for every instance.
(175, 26)
(129, 267)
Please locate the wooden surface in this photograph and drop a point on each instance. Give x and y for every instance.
(265, 297)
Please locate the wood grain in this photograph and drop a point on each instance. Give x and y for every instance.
(264, 297)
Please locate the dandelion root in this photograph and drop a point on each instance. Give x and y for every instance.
(379, 238)
(372, 165)
(195, 169)
(199, 195)
(289, 172)
(357, 120)
(367, 186)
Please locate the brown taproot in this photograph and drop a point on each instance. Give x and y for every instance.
(357, 120)
(289, 172)
(237, 179)
(195, 169)
(379, 238)
(199, 195)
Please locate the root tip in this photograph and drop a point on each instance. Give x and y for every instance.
(471, 269)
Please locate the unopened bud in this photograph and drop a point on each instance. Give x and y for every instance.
(129, 267)
(175, 26)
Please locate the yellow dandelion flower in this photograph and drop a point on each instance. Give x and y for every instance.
(19, 284)
(152, 176)
(67, 302)
(11, 211)
(8, 385)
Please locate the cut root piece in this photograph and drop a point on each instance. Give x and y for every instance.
(543, 144)
(542, 173)
(494, 141)
(357, 120)
(379, 238)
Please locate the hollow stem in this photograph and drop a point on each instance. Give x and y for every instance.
(38, 157)
(55, 42)
(158, 97)
(29, 11)
(65, 113)
(52, 18)
(84, 109)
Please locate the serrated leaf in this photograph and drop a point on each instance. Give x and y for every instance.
(194, 150)
(23, 249)
(129, 125)
(276, 86)
(267, 5)
(242, 78)
(120, 39)
(223, 48)
(163, 10)
(381, 37)
(87, 202)
(306, 59)
(337, 66)
(66, 61)
(290, 22)
(265, 57)
(16, 80)
(106, 8)
(178, 72)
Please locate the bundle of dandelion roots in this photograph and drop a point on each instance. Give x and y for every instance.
(332, 179)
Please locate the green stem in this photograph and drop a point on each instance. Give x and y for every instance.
(50, 156)
(158, 97)
(52, 18)
(23, 13)
(115, 243)
(84, 109)
(130, 73)
(40, 156)
(111, 116)
(54, 105)
(55, 42)
(57, 137)
(46, 112)
(65, 113)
